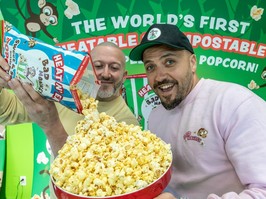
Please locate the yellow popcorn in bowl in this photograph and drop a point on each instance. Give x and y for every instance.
(107, 158)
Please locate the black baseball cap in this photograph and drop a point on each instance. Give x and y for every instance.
(166, 34)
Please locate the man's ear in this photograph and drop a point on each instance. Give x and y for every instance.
(193, 62)
(124, 76)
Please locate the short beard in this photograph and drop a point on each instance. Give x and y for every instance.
(173, 104)
(105, 93)
(102, 93)
(181, 94)
(167, 104)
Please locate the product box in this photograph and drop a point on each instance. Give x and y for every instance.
(55, 73)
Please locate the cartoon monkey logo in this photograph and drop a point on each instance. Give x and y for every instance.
(36, 22)
(202, 132)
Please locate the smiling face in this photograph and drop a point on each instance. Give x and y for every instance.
(109, 63)
(171, 73)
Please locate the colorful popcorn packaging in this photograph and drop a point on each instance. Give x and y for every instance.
(57, 74)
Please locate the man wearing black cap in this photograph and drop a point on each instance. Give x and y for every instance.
(216, 129)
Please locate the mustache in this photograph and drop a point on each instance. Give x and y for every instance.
(108, 80)
(165, 81)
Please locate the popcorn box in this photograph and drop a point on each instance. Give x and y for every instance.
(141, 99)
(54, 72)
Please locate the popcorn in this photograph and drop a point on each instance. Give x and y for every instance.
(72, 9)
(107, 158)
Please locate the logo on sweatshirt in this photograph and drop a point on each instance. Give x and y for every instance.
(197, 136)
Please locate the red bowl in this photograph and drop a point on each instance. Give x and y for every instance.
(149, 192)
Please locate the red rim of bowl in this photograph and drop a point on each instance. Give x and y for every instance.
(140, 194)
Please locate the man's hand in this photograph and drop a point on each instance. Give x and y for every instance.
(41, 111)
(165, 195)
(4, 77)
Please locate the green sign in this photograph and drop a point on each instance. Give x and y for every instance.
(228, 36)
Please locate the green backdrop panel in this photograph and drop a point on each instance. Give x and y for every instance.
(2, 154)
(228, 36)
(19, 160)
(42, 152)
